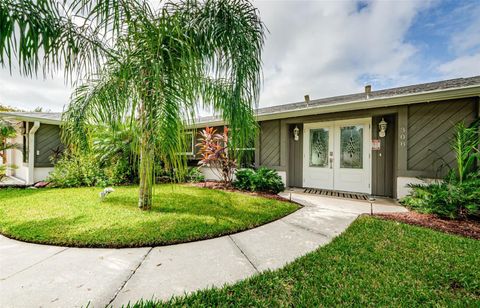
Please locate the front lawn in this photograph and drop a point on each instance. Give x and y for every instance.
(374, 263)
(77, 217)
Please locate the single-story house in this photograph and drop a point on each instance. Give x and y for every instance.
(373, 142)
(38, 139)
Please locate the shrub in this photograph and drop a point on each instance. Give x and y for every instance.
(81, 169)
(452, 200)
(263, 179)
(194, 175)
(244, 179)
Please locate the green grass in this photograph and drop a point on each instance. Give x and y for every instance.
(374, 263)
(77, 217)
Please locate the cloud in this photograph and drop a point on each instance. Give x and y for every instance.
(464, 66)
(333, 47)
(28, 93)
(328, 48)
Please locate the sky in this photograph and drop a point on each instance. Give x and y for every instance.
(328, 48)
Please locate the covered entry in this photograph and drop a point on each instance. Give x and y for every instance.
(337, 155)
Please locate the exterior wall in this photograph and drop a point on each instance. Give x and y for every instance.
(430, 130)
(424, 137)
(211, 175)
(402, 182)
(41, 174)
(287, 163)
(295, 162)
(420, 130)
(270, 143)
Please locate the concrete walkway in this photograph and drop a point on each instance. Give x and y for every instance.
(48, 276)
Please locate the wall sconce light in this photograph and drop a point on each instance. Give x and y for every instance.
(382, 126)
(296, 131)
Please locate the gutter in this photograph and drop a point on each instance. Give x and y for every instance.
(20, 117)
(31, 152)
(407, 99)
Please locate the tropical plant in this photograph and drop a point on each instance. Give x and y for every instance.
(78, 169)
(451, 200)
(465, 146)
(458, 195)
(263, 179)
(115, 151)
(150, 66)
(216, 154)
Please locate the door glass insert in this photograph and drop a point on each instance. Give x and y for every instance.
(319, 147)
(351, 147)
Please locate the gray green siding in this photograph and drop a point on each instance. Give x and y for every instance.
(47, 140)
(270, 143)
(430, 132)
(295, 166)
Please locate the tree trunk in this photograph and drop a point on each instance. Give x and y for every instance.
(146, 173)
(146, 160)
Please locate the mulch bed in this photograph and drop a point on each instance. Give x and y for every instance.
(221, 186)
(465, 228)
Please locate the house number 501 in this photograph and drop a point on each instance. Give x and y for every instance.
(403, 137)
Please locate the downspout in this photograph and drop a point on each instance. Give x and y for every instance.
(31, 152)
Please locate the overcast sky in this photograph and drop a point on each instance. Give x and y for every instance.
(327, 48)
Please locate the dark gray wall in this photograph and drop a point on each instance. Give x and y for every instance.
(383, 160)
(47, 140)
(430, 133)
(295, 177)
(270, 143)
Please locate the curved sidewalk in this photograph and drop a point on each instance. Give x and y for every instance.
(49, 276)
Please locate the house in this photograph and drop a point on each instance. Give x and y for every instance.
(373, 142)
(38, 139)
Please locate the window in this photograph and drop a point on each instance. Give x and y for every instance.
(189, 144)
(319, 147)
(351, 147)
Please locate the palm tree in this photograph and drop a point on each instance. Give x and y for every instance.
(152, 67)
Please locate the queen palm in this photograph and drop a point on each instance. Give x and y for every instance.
(152, 68)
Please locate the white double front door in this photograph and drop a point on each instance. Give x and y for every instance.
(337, 155)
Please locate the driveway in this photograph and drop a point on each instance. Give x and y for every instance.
(34, 275)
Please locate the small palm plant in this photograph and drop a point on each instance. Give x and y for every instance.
(466, 147)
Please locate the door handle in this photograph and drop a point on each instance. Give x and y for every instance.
(331, 162)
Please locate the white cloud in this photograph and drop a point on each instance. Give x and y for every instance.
(324, 48)
(28, 93)
(321, 48)
(461, 67)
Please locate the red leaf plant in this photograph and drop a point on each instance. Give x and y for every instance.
(214, 153)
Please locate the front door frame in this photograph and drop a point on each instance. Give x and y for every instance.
(334, 145)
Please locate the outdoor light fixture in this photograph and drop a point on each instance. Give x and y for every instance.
(296, 131)
(382, 126)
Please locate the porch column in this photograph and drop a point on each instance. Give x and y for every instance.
(31, 152)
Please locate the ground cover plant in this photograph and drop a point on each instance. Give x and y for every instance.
(374, 263)
(78, 217)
